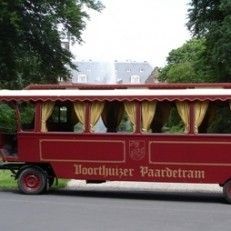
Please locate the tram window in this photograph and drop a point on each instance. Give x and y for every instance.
(127, 123)
(62, 117)
(167, 119)
(112, 117)
(99, 127)
(27, 115)
(78, 116)
(7, 119)
(96, 121)
(78, 127)
(174, 123)
(59, 114)
(8, 128)
(217, 118)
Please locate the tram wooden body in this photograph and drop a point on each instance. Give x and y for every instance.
(41, 155)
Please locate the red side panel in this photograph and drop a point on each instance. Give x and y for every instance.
(157, 157)
(82, 151)
(190, 152)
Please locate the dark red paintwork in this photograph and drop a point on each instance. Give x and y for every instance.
(193, 158)
(207, 153)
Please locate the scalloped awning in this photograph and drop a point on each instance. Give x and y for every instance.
(43, 95)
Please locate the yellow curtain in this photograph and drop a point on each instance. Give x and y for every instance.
(96, 111)
(200, 109)
(47, 109)
(184, 112)
(148, 113)
(130, 108)
(79, 109)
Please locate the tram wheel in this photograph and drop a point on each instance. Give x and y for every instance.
(227, 191)
(32, 180)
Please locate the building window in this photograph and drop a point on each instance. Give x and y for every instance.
(141, 70)
(135, 79)
(82, 78)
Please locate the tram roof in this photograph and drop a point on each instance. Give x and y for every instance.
(123, 94)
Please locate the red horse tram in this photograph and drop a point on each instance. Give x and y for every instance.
(152, 133)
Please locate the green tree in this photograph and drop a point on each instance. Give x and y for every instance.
(7, 118)
(30, 39)
(211, 19)
(187, 64)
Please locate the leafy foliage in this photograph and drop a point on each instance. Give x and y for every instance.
(27, 115)
(222, 121)
(30, 39)
(174, 123)
(211, 19)
(7, 119)
(206, 57)
(187, 64)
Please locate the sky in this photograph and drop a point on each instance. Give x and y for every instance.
(134, 30)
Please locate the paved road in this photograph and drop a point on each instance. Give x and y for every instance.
(109, 209)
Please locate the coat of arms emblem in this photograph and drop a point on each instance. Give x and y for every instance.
(136, 149)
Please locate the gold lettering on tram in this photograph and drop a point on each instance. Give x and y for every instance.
(103, 171)
(171, 173)
(143, 171)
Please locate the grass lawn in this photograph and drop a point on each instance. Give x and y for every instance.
(8, 182)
